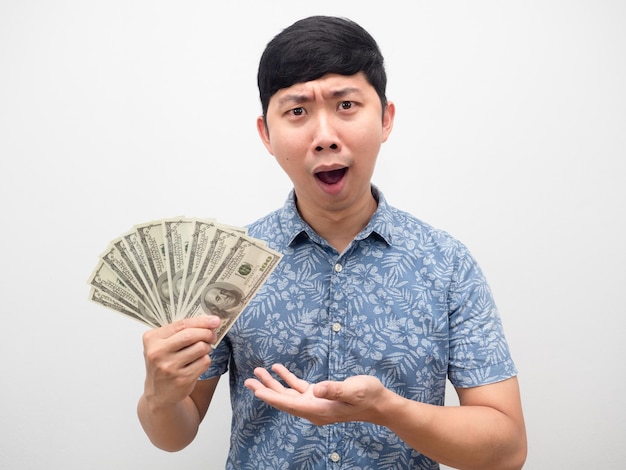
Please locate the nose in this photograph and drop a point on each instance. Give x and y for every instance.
(319, 148)
(325, 134)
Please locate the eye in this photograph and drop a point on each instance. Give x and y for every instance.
(297, 111)
(345, 105)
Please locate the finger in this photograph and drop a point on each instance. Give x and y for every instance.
(290, 379)
(253, 384)
(328, 390)
(193, 352)
(188, 337)
(266, 379)
(202, 321)
(198, 366)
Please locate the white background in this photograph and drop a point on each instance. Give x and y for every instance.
(510, 134)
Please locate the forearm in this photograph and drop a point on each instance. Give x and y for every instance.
(486, 431)
(465, 437)
(169, 427)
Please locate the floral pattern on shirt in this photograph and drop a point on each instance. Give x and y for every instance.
(404, 302)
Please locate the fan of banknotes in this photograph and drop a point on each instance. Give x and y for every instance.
(165, 270)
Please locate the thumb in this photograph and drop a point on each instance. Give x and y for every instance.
(328, 390)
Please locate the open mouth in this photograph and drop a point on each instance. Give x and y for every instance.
(331, 177)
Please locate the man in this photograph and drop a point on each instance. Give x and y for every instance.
(368, 312)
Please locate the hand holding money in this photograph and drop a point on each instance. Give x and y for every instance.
(167, 270)
(176, 354)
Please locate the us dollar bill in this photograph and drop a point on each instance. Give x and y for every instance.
(119, 259)
(223, 240)
(178, 233)
(104, 279)
(169, 269)
(229, 289)
(152, 241)
(202, 233)
(100, 297)
(139, 260)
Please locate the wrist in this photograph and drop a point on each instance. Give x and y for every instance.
(156, 404)
(388, 407)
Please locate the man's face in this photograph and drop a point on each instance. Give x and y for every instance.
(326, 135)
(220, 298)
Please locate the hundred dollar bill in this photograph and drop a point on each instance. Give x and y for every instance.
(169, 269)
(99, 297)
(119, 260)
(107, 281)
(177, 236)
(202, 233)
(230, 288)
(140, 263)
(222, 241)
(152, 241)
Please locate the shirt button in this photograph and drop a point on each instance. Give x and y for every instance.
(338, 268)
(336, 327)
(335, 457)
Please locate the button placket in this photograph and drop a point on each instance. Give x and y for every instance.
(337, 315)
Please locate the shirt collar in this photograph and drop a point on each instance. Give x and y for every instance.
(295, 228)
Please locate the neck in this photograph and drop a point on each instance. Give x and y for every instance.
(339, 227)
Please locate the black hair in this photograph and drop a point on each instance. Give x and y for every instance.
(315, 46)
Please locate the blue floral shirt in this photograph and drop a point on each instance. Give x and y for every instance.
(404, 302)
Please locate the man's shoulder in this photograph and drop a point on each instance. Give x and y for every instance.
(406, 225)
(267, 226)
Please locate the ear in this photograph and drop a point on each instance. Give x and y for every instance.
(388, 117)
(264, 133)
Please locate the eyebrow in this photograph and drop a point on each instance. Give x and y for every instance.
(293, 98)
(298, 98)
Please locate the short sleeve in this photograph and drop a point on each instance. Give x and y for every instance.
(220, 358)
(479, 353)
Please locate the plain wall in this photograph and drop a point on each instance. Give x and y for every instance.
(510, 134)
